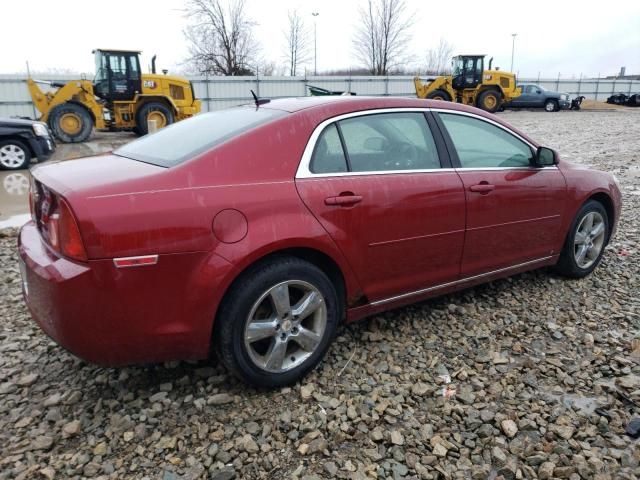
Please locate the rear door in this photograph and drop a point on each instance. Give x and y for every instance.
(376, 184)
(513, 208)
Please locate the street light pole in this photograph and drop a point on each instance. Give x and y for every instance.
(513, 46)
(315, 43)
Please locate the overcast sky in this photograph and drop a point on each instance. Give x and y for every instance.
(567, 37)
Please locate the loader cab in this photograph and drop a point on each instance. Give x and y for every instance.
(467, 71)
(118, 75)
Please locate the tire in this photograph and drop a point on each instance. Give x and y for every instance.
(569, 264)
(70, 122)
(152, 110)
(489, 101)
(551, 105)
(439, 94)
(250, 298)
(14, 155)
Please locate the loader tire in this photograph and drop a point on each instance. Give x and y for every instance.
(153, 111)
(439, 94)
(70, 123)
(489, 101)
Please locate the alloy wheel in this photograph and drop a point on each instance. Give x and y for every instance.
(589, 239)
(12, 156)
(285, 326)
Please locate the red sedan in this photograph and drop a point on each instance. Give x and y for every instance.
(254, 232)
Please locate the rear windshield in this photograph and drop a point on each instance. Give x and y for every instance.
(184, 140)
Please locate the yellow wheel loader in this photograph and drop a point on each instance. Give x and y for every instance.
(120, 97)
(471, 84)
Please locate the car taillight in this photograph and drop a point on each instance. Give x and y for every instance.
(69, 237)
(61, 229)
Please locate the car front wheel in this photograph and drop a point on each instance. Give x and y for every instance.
(14, 155)
(277, 322)
(585, 242)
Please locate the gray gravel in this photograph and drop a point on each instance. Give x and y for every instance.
(544, 372)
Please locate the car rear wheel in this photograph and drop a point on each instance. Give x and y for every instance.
(277, 322)
(14, 155)
(585, 242)
(551, 105)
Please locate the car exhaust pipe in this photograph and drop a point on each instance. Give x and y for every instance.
(490, 62)
(153, 64)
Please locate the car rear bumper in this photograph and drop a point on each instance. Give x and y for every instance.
(112, 316)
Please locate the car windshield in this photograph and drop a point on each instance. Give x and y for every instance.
(184, 140)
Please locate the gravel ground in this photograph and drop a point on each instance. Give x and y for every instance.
(545, 376)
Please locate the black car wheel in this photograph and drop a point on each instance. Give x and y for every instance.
(14, 155)
(551, 105)
(277, 322)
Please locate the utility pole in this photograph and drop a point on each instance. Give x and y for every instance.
(513, 47)
(315, 43)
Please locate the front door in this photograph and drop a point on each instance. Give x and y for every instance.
(376, 184)
(513, 208)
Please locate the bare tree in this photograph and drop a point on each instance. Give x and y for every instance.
(439, 58)
(298, 43)
(220, 37)
(381, 40)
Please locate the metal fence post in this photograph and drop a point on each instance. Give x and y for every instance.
(206, 82)
(597, 85)
(579, 84)
(558, 82)
(257, 83)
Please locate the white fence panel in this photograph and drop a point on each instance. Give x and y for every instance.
(222, 92)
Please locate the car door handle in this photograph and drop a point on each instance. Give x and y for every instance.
(343, 200)
(482, 188)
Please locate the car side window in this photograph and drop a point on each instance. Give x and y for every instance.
(479, 144)
(389, 141)
(328, 155)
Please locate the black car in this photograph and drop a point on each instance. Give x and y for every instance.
(21, 140)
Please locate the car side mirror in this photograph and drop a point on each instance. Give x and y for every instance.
(538, 91)
(374, 144)
(545, 157)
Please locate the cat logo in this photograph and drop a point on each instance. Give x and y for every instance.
(149, 84)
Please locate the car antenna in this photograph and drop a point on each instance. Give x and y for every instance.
(259, 101)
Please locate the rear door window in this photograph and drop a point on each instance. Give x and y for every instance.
(186, 139)
(328, 155)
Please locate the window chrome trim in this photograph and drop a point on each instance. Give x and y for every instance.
(458, 282)
(303, 170)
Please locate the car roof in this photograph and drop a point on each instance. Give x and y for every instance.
(345, 103)
(325, 107)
